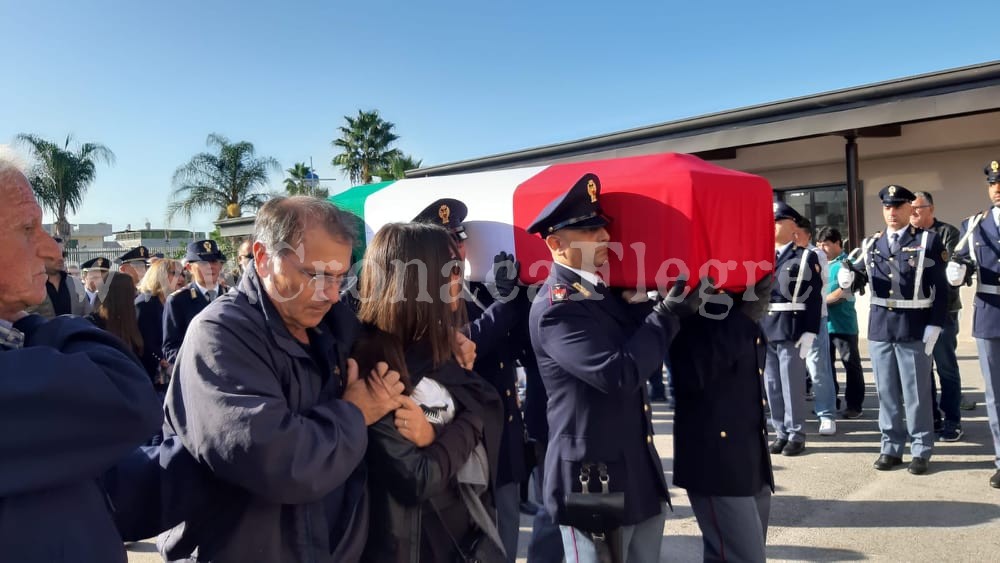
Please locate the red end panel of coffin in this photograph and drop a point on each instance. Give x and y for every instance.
(667, 210)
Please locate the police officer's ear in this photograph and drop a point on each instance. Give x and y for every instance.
(554, 243)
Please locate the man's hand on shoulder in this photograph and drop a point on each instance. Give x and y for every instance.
(378, 395)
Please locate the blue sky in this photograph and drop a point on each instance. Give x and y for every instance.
(459, 79)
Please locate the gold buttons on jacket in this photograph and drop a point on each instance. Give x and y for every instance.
(722, 434)
(501, 365)
(649, 439)
(508, 392)
(645, 408)
(510, 418)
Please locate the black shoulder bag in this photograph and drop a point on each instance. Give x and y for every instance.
(600, 515)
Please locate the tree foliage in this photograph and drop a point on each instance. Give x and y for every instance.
(366, 146)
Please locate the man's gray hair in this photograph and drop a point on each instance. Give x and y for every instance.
(11, 161)
(282, 222)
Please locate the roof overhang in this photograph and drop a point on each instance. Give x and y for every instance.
(872, 110)
(237, 227)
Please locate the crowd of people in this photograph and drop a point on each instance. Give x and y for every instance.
(305, 413)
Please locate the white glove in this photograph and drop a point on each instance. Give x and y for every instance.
(931, 334)
(845, 278)
(805, 343)
(955, 273)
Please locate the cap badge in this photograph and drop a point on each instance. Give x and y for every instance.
(592, 191)
(142, 251)
(995, 166)
(892, 191)
(207, 245)
(444, 212)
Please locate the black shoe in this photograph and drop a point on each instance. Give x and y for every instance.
(777, 445)
(851, 414)
(918, 466)
(995, 480)
(938, 426)
(886, 462)
(793, 448)
(951, 434)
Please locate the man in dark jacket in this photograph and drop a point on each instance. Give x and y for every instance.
(264, 398)
(720, 437)
(72, 403)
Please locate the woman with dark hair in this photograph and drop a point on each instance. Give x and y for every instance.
(114, 311)
(433, 461)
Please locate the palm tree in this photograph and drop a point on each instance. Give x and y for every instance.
(365, 144)
(60, 176)
(398, 165)
(229, 180)
(298, 182)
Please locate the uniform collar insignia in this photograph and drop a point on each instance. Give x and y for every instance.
(559, 293)
(583, 290)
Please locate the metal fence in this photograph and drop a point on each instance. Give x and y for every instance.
(81, 255)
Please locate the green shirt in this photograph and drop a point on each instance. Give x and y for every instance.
(841, 319)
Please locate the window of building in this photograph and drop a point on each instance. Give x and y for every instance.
(825, 206)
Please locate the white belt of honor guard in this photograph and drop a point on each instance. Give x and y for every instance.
(987, 288)
(903, 303)
(785, 307)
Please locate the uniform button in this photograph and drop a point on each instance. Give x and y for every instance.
(510, 418)
(890, 292)
(645, 408)
(890, 276)
(758, 341)
(763, 403)
(722, 434)
(501, 365)
(508, 392)
(761, 370)
(649, 439)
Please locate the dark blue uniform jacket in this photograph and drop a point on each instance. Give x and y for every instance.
(595, 356)
(783, 326)
(72, 404)
(893, 276)
(180, 308)
(149, 317)
(986, 243)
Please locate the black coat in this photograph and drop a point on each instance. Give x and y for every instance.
(404, 479)
(595, 359)
(149, 317)
(720, 437)
(491, 326)
(179, 310)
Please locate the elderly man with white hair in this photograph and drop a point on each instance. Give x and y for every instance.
(72, 403)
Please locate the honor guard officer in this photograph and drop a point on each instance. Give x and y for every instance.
(978, 251)
(204, 261)
(133, 263)
(790, 325)
(95, 273)
(491, 320)
(595, 355)
(909, 305)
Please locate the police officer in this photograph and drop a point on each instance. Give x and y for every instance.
(95, 273)
(909, 305)
(133, 263)
(977, 252)
(493, 316)
(595, 355)
(720, 436)
(791, 326)
(204, 261)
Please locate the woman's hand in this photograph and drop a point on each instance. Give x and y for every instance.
(464, 350)
(412, 424)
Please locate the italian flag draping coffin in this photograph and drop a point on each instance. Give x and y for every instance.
(667, 209)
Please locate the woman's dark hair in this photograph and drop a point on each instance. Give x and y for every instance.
(117, 310)
(404, 287)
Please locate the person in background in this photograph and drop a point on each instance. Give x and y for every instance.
(204, 261)
(162, 278)
(981, 259)
(244, 255)
(842, 322)
(790, 325)
(115, 312)
(72, 403)
(133, 263)
(904, 324)
(944, 357)
(95, 275)
(64, 293)
(419, 455)
(818, 360)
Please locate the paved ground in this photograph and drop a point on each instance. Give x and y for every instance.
(832, 506)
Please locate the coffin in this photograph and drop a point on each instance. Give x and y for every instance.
(672, 213)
